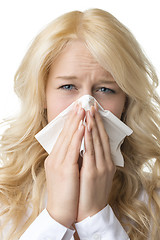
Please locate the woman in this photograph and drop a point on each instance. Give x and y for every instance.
(77, 54)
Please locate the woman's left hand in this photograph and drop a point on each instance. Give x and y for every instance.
(98, 169)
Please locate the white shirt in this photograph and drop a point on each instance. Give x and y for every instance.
(102, 226)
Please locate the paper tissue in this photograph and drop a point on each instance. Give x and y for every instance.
(115, 129)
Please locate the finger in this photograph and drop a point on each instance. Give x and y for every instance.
(74, 147)
(63, 133)
(104, 136)
(89, 155)
(66, 134)
(97, 142)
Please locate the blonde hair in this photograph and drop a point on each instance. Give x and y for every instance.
(22, 181)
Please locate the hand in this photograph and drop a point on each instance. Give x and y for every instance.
(97, 170)
(62, 171)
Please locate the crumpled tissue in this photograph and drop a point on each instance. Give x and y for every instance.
(114, 127)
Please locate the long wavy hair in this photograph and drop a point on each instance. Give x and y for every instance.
(22, 176)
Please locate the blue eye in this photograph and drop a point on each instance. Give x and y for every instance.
(67, 87)
(107, 90)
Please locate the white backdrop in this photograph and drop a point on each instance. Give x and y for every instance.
(21, 21)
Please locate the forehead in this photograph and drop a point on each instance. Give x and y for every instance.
(76, 57)
(78, 49)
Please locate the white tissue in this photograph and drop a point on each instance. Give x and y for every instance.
(115, 129)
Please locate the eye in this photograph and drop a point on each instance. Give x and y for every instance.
(67, 87)
(107, 90)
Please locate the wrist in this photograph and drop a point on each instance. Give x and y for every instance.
(82, 216)
(65, 221)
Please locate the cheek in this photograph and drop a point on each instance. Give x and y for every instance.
(116, 107)
(55, 105)
(54, 109)
(117, 111)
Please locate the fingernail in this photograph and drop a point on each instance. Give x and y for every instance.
(75, 107)
(88, 121)
(79, 108)
(96, 106)
(80, 125)
(89, 127)
(91, 111)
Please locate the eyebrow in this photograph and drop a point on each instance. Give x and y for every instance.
(75, 78)
(66, 77)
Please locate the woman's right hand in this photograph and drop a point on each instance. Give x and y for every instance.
(62, 170)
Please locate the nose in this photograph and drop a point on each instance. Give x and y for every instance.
(86, 101)
(86, 91)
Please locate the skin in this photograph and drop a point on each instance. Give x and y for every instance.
(78, 189)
